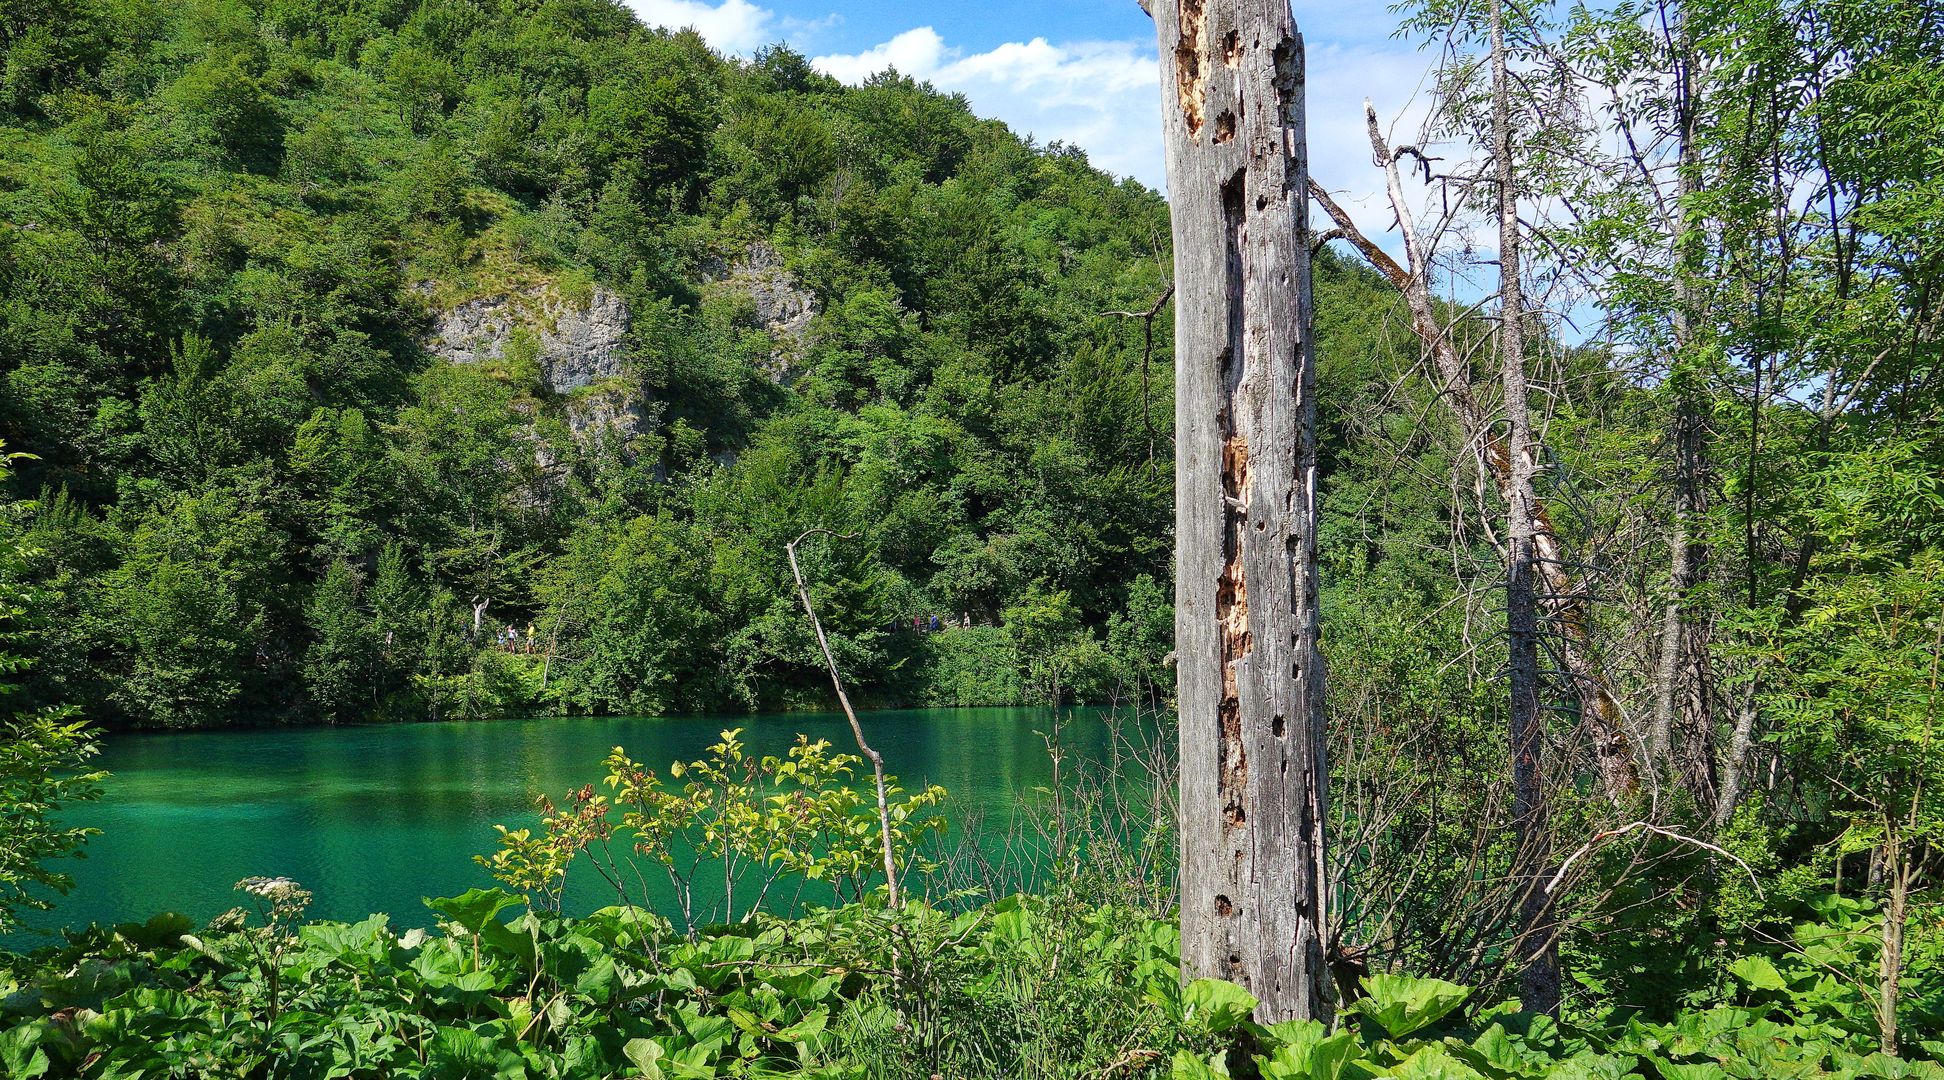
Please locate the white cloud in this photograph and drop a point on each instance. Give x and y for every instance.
(1103, 96)
(914, 52)
(735, 26)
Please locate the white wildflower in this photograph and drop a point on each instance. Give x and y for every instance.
(277, 890)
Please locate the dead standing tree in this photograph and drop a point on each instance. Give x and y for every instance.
(1253, 776)
(857, 730)
(1564, 598)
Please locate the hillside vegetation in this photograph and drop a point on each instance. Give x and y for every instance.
(345, 336)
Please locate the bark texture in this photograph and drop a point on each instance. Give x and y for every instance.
(1250, 677)
(1896, 917)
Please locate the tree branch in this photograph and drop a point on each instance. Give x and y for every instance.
(857, 729)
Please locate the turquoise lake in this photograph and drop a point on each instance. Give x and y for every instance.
(372, 819)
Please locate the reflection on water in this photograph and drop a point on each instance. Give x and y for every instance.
(374, 819)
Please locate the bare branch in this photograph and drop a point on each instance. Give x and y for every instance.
(857, 729)
(1613, 834)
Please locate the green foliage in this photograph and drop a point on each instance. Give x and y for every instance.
(975, 665)
(1402, 1005)
(43, 753)
(1026, 986)
(239, 224)
(42, 761)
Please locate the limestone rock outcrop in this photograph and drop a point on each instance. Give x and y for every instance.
(576, 344)
(777, 303)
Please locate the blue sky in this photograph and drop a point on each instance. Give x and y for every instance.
(1083, 71)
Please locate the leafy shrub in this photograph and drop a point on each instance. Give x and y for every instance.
(975, 665)
(746, 821)
(43, 752)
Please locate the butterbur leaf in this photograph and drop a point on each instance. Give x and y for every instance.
(1704, 1070)
(1292, 1059)
(160, 931)
(1212, 1005)
(20, 1052)
(1313, 1057)
(600, 980)
(1401, 1004)
(746, 1020)
(805, 1029)
(1285, 1064)
(474, 909)
(1187, 1066)
(1892, 1068)
(1758, 973)
(1434, 1062)
(460, 1054)
(1498, 1052)
(1591, 1066)
(1299, 1035)
(645, 1055)
(1332, 1058)
(170, 1003)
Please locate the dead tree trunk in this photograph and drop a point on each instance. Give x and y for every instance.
(1539, 975)
(1251, 680)
(857, 730)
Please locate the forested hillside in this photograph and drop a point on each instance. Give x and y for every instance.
(346, 336)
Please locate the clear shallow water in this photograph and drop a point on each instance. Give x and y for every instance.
(374, 818)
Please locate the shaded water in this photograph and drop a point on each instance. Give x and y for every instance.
(375, 818)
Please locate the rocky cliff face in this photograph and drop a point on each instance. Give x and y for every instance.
(577, 345)
(780, 304)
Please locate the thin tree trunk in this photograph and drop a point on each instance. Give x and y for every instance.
(1734, 764)
(1683, 726)
(1252, 760)
(1890, 962)
(1539, 976)
(857, 730)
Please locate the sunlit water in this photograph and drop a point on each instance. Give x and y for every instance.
(373, 819)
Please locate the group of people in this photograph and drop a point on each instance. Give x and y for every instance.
(511, 641)
(932, 624)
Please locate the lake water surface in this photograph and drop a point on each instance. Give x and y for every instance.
(374, 818)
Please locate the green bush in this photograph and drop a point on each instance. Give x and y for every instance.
(976, 665)
(44, 751)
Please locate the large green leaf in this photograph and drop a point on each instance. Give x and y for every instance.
(1212, 1005)
(462, 1054)
(474, 909)
(1704, 1070)
(1434, 1062)
(1189, 1066)
(1307, 1054)
(645, 1055)
(21, 1057)
(360, 944)
(1758, 973)
(1401, 1004)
